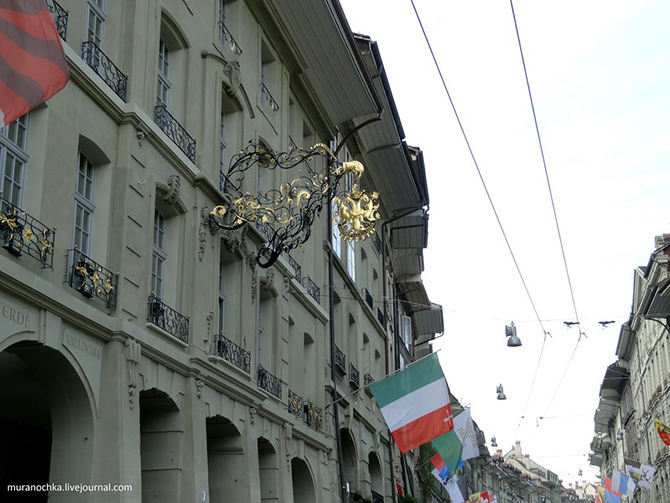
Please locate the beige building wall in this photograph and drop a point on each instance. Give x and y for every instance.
(120, 393)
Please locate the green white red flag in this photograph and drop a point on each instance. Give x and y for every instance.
(415, 403)
(32, 64)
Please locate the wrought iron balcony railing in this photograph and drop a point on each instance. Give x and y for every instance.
(313, 415)
(296, 269)
(368, 379)
(354, 376)
(22, 233)
(266, 230)
(103, 66)
(60, 17)
(266, 97)
(377, 498)
(380, 317)
(227, 39)
(368, 298)
(166, 318)
(232, 353)
(311, 288)
(91, 279)
(175, 131)
(296, 405)
(269, 382)
(340, 359)
(224, 183)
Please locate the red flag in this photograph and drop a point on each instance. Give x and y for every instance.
(398, 489)
(608, 486)
(663, 432)
(32, 62)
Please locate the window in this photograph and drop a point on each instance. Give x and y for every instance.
(159, 254)
(351, 259)
(83, 205)
(164, 84)
(95, 21)
(13, 158)
(222, 143)
(222, 296)
(406, 331)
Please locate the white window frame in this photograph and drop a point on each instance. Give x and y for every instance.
(406, 331)
(83, 205)
(336, 238)
(95, 21)
(159, 256)
(351, 259)
(222, 141)
(14, 145)
(164, 84)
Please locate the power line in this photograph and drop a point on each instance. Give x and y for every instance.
(553, 206)
(474, 160)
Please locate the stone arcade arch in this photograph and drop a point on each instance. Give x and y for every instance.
(46, 422)
(268, 468)
(227, 472)
(303, 483)
(350, 460)
(160, 444)
(376, 479)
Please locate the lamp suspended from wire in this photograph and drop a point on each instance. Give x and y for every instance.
(493, 441)
(501, 394)
(510, 331)
(287, 213)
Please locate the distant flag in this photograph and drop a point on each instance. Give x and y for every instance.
(450, 449)
(620, 483)
(466, 434)
(612, 497)
(32, 63)
(456, 486)
(439, 465)
(474, 498)
(600, 495)
(663, 432)
(642, 475)
(415, 403)
(484, 497)
(398, 489)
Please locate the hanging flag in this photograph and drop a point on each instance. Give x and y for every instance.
(440, 466)
(663, 432)
(600, 495)
(32, 62)
(612, 497)
(484, 497)
(620, 483)
(450, 449)
(465, 430)
(453, 486)
(398, 489)
(642, 475)
(474, 498)
(415, 403)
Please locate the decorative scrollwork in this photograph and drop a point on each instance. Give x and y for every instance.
(286, 214)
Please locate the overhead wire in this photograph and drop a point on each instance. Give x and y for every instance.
(476, 164)
(553, 207)
(488, 195)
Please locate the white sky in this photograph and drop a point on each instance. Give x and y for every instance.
(600, 76)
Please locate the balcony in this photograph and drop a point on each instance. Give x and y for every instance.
(266, 230)
(268, 382)
(22, 233)
(295, 405)
(267, 99)
(312, 289)
(175, 131)
(368, 298)
(297, 270)
(340, 360)
(377, 241)
(60, 17)
(377, 498)
(368, 380)
(313, 415)
(232, 353)
(103, 66)
(166, 318)
(227, 39)
(354, 376)
(91, 279)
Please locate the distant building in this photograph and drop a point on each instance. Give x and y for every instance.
(635, 388)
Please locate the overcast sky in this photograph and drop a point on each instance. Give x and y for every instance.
(599, 73)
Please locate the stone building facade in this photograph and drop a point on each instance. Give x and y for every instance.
(140, 345)
(635, 388)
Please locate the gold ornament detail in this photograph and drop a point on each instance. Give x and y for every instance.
(356, 213)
